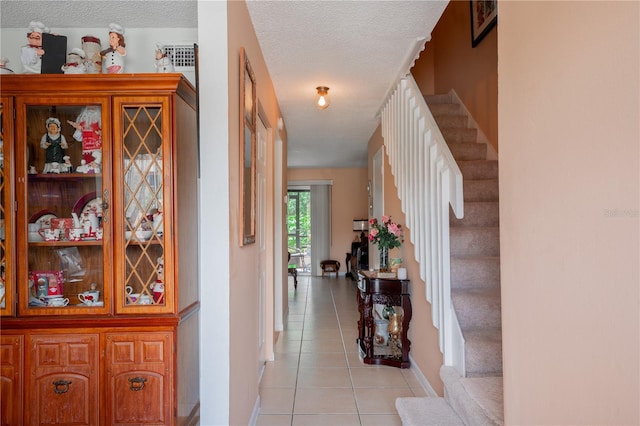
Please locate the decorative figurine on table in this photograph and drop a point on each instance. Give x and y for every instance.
(113, 62)
(88, 131)
(31, 54)
(93, 60)
(54, 144)
(4, 69)
(75, 62)
(163, 62)
(66, 167)
(95, 166)
(158, 286)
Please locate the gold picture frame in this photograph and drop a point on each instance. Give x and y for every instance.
(248, 123)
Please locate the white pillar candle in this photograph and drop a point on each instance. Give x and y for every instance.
(402, 273)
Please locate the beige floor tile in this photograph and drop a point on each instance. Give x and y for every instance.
(276, 400)
(353, 358)
(322, 334)
(316, 346)
(325, 419)
(379, 401)
(287, 346)
(323, 378)
(273, 420)
(380, 420)
(284, 360)
(322, 359)
(383, 377)
(325, 401)
(279, 377)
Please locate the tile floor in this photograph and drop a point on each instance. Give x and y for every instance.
(317, 377)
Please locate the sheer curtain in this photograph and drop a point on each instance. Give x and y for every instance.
(320, 225)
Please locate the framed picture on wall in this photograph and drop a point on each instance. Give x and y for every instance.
(247, 146)
(484, 16)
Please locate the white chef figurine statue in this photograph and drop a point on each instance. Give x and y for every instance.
(113, 57)
(75, 62)
(31, 54)
(163, 62)
(158, 286)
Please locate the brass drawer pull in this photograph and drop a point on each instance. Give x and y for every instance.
(61, 386)
(137, 383)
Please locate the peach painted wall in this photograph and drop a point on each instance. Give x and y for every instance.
(425, 350)
(244, 265)
(349, 201)
(449, 62)
(569, 211)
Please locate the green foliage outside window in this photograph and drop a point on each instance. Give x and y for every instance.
(299, 221)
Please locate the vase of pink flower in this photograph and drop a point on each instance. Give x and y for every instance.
(387, 235)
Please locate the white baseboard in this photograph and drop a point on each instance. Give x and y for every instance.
(255, 412)
(423, 380)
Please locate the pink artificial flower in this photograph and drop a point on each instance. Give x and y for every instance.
(385, 219)
(373, 233)
(395, 229)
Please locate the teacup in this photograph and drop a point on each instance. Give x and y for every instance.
(145, 299)
(133, 298)
(89, 297)
(50, 234)
(58, 301)
(75, 234)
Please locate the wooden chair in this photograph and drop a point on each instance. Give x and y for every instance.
(293, 271)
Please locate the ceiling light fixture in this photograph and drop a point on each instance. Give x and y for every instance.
(322, 98)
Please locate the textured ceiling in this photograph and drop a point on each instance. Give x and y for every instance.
(356, 48)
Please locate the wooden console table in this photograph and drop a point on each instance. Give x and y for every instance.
(382, 291)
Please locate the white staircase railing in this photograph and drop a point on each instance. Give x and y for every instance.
(428, 181)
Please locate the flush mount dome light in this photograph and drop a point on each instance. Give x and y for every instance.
(322, 98)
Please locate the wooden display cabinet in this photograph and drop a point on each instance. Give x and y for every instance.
(98, 247)
(374, 344)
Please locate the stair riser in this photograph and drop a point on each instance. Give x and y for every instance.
(438, 110)
(477, 310)
(459, 135)
(484, 358)
(468, 151)
(485, 213)
(475, 241)
(475, 272)
(451, 120)
(481, 190)
(479, 169)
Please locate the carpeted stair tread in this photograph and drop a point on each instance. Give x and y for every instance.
(475, 272)
(426, 411)
(439, 109)
(477, 401)
(477, 307)
(477, 213)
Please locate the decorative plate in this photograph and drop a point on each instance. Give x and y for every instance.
(88, 203)
(43, 217)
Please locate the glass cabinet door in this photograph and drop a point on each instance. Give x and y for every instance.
(65, 212)
(143, 132)
(7, 240)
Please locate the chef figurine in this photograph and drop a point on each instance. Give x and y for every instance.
(113, 62)
(158, 286)
(31, 54)
(163, 62)
(75, 62)
(54, 144)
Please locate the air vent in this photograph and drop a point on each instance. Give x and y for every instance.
(182, 56)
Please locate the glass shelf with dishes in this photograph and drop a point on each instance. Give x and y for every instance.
(66, 206)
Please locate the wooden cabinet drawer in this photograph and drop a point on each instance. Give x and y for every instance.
(139, 377)
(63, 379)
